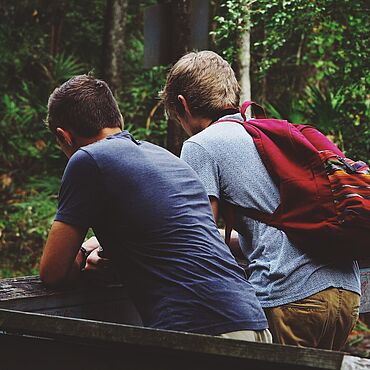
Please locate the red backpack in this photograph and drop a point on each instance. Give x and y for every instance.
(324, 197)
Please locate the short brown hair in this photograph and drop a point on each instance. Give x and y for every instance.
(85, 105)
(207, 82)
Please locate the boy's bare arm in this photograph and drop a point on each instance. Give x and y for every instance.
(234, 239)
(61, 259)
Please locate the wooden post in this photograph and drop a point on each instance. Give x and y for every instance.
(179, 46)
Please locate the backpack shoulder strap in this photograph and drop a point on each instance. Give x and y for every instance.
(228, 210)
(257, 110)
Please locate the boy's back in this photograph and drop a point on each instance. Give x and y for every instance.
(152, 216)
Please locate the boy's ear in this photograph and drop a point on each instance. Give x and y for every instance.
(64, 136)
(183, 103)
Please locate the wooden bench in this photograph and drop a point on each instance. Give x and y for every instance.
(96, 326)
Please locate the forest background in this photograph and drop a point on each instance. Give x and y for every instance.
(309, 63)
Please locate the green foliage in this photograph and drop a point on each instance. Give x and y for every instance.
(28, 150)
(143, 114)
(315, 55)
(61, 68)
(290, 111)
(83, 28)
(326, 111)
(22, 116)
(283, 23)
(358, 341)
(27, 213)
(233, 20)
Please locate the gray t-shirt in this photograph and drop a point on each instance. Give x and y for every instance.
(228, 164)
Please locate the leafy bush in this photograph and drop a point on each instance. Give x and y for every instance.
(140, 105)
(27, 213)
(358, 343)
(28, 201)
(322, 45)
(232, 20)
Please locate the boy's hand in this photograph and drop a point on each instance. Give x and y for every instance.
(96, 263)
(91, 244)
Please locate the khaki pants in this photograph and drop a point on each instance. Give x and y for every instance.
(323, 320)
(250, 335)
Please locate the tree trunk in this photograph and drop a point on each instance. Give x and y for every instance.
(244, 56)
(58, 10)
(179, 45)
(215, 8)
(114, 43)
(244, 66)
(263, 83)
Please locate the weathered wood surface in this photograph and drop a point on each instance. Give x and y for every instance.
(99, 345)
(30, 339)
(88, 299)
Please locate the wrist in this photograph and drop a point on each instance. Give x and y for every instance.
(84, 253)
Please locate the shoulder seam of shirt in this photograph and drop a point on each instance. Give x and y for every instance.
(218, 196)
(201, 146)
(96, 165)
(85, 151)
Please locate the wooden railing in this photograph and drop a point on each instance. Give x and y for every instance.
(96, 327)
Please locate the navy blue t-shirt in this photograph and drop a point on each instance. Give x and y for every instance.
(152, 216)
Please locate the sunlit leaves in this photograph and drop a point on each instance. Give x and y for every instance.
(232, 21)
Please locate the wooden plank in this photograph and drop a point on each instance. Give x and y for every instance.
(109, 302)
(87, 299)
(22, 287)
(32, 287)
(44, 354)
(120, 340)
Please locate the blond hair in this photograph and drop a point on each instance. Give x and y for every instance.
(207, 82)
